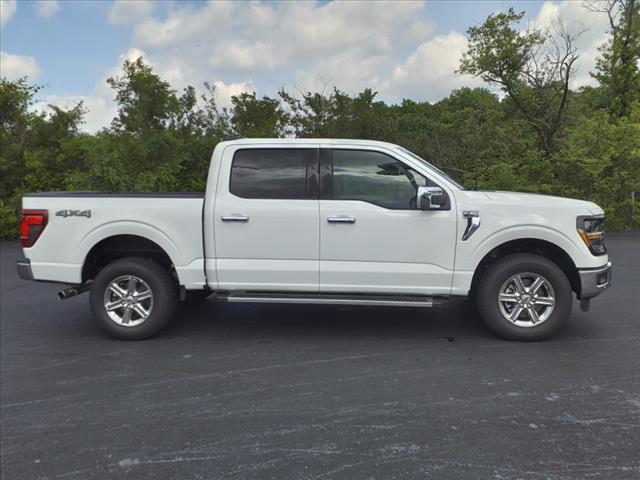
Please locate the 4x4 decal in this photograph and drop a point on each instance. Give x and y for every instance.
(73, 213)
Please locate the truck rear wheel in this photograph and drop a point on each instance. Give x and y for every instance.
(132, 298)
(524, 297)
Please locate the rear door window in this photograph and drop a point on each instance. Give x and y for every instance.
(275, 173)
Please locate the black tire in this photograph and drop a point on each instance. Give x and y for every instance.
(499, 272)
(159, 282)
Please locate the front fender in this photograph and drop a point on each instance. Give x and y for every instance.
(574, 249)
(471, 252)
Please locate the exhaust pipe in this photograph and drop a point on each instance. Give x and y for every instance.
(72, 291)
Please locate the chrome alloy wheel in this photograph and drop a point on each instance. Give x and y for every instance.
(128, 300)
(526, 299)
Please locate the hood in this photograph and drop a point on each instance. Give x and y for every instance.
(535, 199)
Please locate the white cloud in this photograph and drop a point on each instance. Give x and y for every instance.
(7, 10)
(47, 8)
(429, 72)
(224, 91)
(129, 11)
(577, 18)
(99, 103)
(419, 30)
(131, 55)
(13, 67)
(100, 109)
(260, 38)
(242, 56)
(350, 71)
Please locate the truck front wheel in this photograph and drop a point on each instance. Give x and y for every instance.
(132, 298)
(524, 297)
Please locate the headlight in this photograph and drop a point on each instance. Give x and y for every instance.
(591, 230)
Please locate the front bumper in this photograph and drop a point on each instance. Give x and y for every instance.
(594, 281)
(23, 265)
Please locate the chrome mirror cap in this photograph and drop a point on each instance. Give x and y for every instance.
(430, 198)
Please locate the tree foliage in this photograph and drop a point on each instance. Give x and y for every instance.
(533, 68)
(539, 136)
(618, 67)
(258, 117)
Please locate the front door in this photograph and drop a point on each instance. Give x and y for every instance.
(266, 225)
(373, 239)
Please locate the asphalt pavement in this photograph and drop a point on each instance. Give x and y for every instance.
(232, 391)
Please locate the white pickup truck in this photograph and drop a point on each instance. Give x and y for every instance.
(319, 221)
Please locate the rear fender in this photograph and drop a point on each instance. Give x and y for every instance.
(139, 229)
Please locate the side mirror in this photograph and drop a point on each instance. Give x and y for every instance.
(431, 198)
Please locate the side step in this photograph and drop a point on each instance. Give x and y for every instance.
(331, 299)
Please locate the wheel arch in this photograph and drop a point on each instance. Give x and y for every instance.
(536, 246)
(115, 247)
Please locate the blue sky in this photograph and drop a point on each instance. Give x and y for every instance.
(401, 49)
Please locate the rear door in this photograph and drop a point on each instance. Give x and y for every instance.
(373, 239)
(266, 225)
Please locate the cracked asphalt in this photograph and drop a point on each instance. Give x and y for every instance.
(299, 392)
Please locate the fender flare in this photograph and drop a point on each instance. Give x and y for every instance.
(525, 232)
(139, 229)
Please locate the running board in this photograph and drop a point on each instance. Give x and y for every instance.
(332, 299)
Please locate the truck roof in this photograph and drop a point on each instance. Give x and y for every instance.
(304, 141)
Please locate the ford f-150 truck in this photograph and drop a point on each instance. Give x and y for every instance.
(319, 221)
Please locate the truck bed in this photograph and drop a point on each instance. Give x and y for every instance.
(78, 221)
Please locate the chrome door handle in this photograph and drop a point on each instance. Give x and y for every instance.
(341, 219)
(235, 218)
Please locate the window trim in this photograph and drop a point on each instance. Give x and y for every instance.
(326, 176)
(311, 173)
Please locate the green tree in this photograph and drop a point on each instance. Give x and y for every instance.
(32, 148)
(213, 120)
(146, 103)
(15, 119)
(47, 159)
(601, 161)
(151, 140)
(618, 67)
(467, 134)
(532, 67)
(258, 117)
(337, 114)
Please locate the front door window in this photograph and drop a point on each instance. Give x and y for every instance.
(376, 178)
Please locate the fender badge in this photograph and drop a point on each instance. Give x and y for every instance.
(473, 223)
(73, 213)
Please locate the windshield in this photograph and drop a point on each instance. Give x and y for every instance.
(432, 167)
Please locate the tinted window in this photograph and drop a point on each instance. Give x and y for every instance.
(375, 178)
(271, 173)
